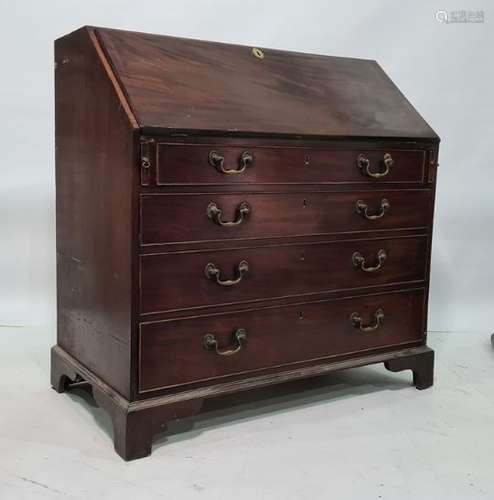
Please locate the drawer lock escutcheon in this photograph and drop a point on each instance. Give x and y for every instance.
(215, 213)
(358, 261)
(357, 321)
(363, 209)
(217, 160)
(365, 165)
(209, 342)
(213, 273)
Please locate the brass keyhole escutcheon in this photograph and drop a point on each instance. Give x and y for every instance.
(258, 53)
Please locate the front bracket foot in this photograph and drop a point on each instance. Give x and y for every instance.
(421, 364)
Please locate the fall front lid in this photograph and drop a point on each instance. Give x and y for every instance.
(184, 84)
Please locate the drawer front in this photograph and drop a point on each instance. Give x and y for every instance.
(178, 352)
(209, 278)
(220, 164)
(167, 218)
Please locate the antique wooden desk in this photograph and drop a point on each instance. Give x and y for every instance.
(231, 217)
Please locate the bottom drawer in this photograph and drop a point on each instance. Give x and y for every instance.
(182, 351)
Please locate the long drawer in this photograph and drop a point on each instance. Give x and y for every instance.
(208, 278)
(224, 164)
(182, 351)
(255, 216)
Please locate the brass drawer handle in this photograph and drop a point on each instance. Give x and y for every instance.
(213, 273)
(209, 342)
(363, 209)
(356, 321)
(215, 214)
(364, 164)
(217, 160)
(358, 260)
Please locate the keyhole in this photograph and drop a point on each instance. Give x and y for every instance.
(305, 203)
(300, 315)
(307, 160)
(258, 53)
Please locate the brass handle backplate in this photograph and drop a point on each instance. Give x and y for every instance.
(357, 321)
(363, 209)
(217, 160)
(364, 164)
(213, 273)
(358, 260)
(216, 214)
(209, 342)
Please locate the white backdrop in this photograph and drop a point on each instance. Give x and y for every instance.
(445, 69)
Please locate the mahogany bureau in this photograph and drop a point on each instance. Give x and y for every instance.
(231, 217)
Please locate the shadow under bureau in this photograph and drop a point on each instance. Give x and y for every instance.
(229, 218)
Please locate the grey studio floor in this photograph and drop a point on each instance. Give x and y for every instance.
(360, 434)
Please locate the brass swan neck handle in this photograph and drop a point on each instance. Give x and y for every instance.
(358, 261)
(214, 273)
(217, 160)
(357, 321)
(215, 213)
(209, 342)
(363, 209)
(365, 165)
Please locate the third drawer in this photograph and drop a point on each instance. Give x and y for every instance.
(183, 280)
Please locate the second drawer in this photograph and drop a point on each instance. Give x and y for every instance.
(210, 278)
(247, 216)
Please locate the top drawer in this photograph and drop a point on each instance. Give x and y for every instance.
(225, 164)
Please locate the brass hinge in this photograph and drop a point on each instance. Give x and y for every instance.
(433, 164)
(145, 159)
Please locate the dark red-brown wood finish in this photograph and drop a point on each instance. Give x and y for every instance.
(96, 181)
(179, 280)
(229, 218)
(172, 352)
(181, 84)
(279, 215)
(190, 164)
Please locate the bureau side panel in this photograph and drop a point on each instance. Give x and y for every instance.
(95, 156)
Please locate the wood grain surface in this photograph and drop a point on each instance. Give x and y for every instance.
(95, 213)
(173, 353)
(178, 280)
(278, 215)
(183, 84)
(189, 164)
